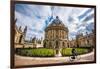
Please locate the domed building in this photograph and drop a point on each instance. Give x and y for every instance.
(56, 35)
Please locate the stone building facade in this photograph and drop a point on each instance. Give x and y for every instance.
(81, 40)
(19, 35)
(19, 38)
(85, 41)
(56, 35)
(72, 43)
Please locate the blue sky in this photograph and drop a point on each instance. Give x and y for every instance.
(38, 17)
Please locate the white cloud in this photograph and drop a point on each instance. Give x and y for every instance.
(92, 12)
(83, 11)
(39, 13)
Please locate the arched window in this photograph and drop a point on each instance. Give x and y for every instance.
(50, 45)
(68, 45)
(56, 44)
(44, 44)
(20, 39)
(63, 44)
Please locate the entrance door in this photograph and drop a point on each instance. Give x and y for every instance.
(57, 45)
(57, 51)
(57, 48)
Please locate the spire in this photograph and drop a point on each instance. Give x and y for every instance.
(57, 20)
(25, 29)
(52, 9)
(15, 21)
(86, 33)
(20, 28)
(57, 17)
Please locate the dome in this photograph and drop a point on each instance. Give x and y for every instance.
(56, 22)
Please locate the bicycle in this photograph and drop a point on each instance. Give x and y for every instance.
(73, 58)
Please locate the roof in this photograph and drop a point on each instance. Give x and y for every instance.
(57, 24)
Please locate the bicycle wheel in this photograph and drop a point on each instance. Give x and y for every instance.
(71, 58)
(78, 57)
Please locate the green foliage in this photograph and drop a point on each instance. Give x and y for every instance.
(68, 51)
(81, 50)
(44, 52)
(41, 52)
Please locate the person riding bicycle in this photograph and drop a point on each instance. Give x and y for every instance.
(74, 53)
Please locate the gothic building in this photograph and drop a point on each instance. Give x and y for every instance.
(85, 40)
(56, 35)
(19, 34)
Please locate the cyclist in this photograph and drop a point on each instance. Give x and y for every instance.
(74, 53)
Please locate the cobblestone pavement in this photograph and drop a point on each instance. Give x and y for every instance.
(21, 60)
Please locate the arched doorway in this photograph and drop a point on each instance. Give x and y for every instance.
(63, 44)
(44, 44)
(56, 44)
(57, 48)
